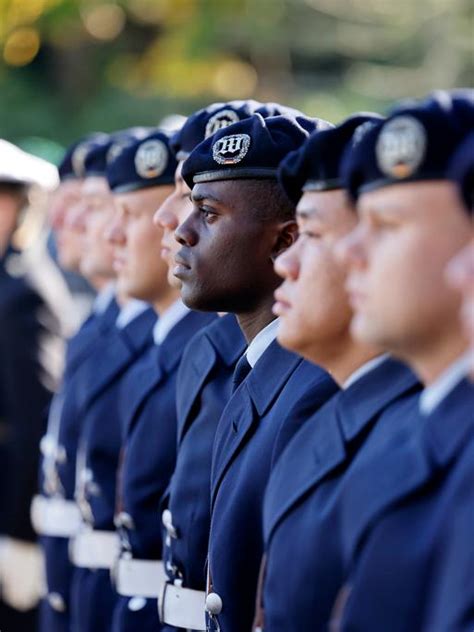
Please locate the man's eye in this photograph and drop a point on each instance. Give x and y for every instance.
(310, 234)
(207, 213)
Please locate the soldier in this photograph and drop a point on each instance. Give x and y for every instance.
(203, 388)
(30, 332)
(303, 565)
(94, 548)
(141, 177)
(241, 220)
(54, 513)
(407, 520)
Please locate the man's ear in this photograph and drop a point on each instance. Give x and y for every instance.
(287, 234)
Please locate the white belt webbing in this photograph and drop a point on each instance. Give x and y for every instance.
(94, 549)
(182, 607)
(139, 578)
(55, 517)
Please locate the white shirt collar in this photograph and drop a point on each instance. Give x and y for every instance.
(434, 394)
(129, 312)
(168, 319)
(261, 342)
(103, 298)
(364, 369)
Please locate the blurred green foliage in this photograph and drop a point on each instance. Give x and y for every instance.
(71, 66)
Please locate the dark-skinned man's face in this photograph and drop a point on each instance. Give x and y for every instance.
(225, 262)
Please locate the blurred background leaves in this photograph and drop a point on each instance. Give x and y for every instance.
(71, 66)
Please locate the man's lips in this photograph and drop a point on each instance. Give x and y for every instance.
(281, 304)
(181, 267)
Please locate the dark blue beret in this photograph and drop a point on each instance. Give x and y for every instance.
(462, 171)
(416, 142)
(208, 121)
(143, 163)
(99, 152)
(315, 166)
(90, 158)
(66, 166)
(249, 149)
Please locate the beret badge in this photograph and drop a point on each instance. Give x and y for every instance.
(229, 150)
(222, 119)
(78, 159)
(401, 147)
(151, 159)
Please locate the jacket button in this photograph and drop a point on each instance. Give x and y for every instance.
(167, 519)
(56, 602)
(213, 604)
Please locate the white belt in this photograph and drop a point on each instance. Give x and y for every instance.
(182, 607)
(139, 578)
(55, 517)
(94, 549)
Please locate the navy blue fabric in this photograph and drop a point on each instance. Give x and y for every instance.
(443, 121)
(462, 171)
(66, 167)
(132, 169)
(316, 164)
(92, 595)
(88, 343)
(275, 399)
(304, 555)
(409, 543)
(149, 453)
(209, 120)
(98, 152)
(204, 388)
(269, 141)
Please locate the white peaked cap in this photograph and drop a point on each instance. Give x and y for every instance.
(19, 166)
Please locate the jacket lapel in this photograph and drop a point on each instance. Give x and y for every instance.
(314, 452)
(83, 343)
(321, 446)
(248, 405)
(396, 474)
(198, 367)
(222, 341)
(121, 349)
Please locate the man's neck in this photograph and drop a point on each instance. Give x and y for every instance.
(343, 357)
(253, 322)
(430, 363)
(166, 300)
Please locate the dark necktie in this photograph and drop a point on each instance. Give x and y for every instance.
(241, 371)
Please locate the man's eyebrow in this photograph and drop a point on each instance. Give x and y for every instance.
(307, 213)
(199, 197)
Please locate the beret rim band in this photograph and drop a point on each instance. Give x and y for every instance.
(330, 184)
(235, 174)
(137, 186)
(383, 182)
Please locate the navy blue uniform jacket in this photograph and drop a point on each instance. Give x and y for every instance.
(57, 473)
(304, 561)
(409, 529)
(204, 388)
(92, 596)
(148, 455)
(278, 395)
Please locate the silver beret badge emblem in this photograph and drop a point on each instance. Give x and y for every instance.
(230, 150)
(78, 159)
(222, 119)
(401, 147)
(151, 159)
